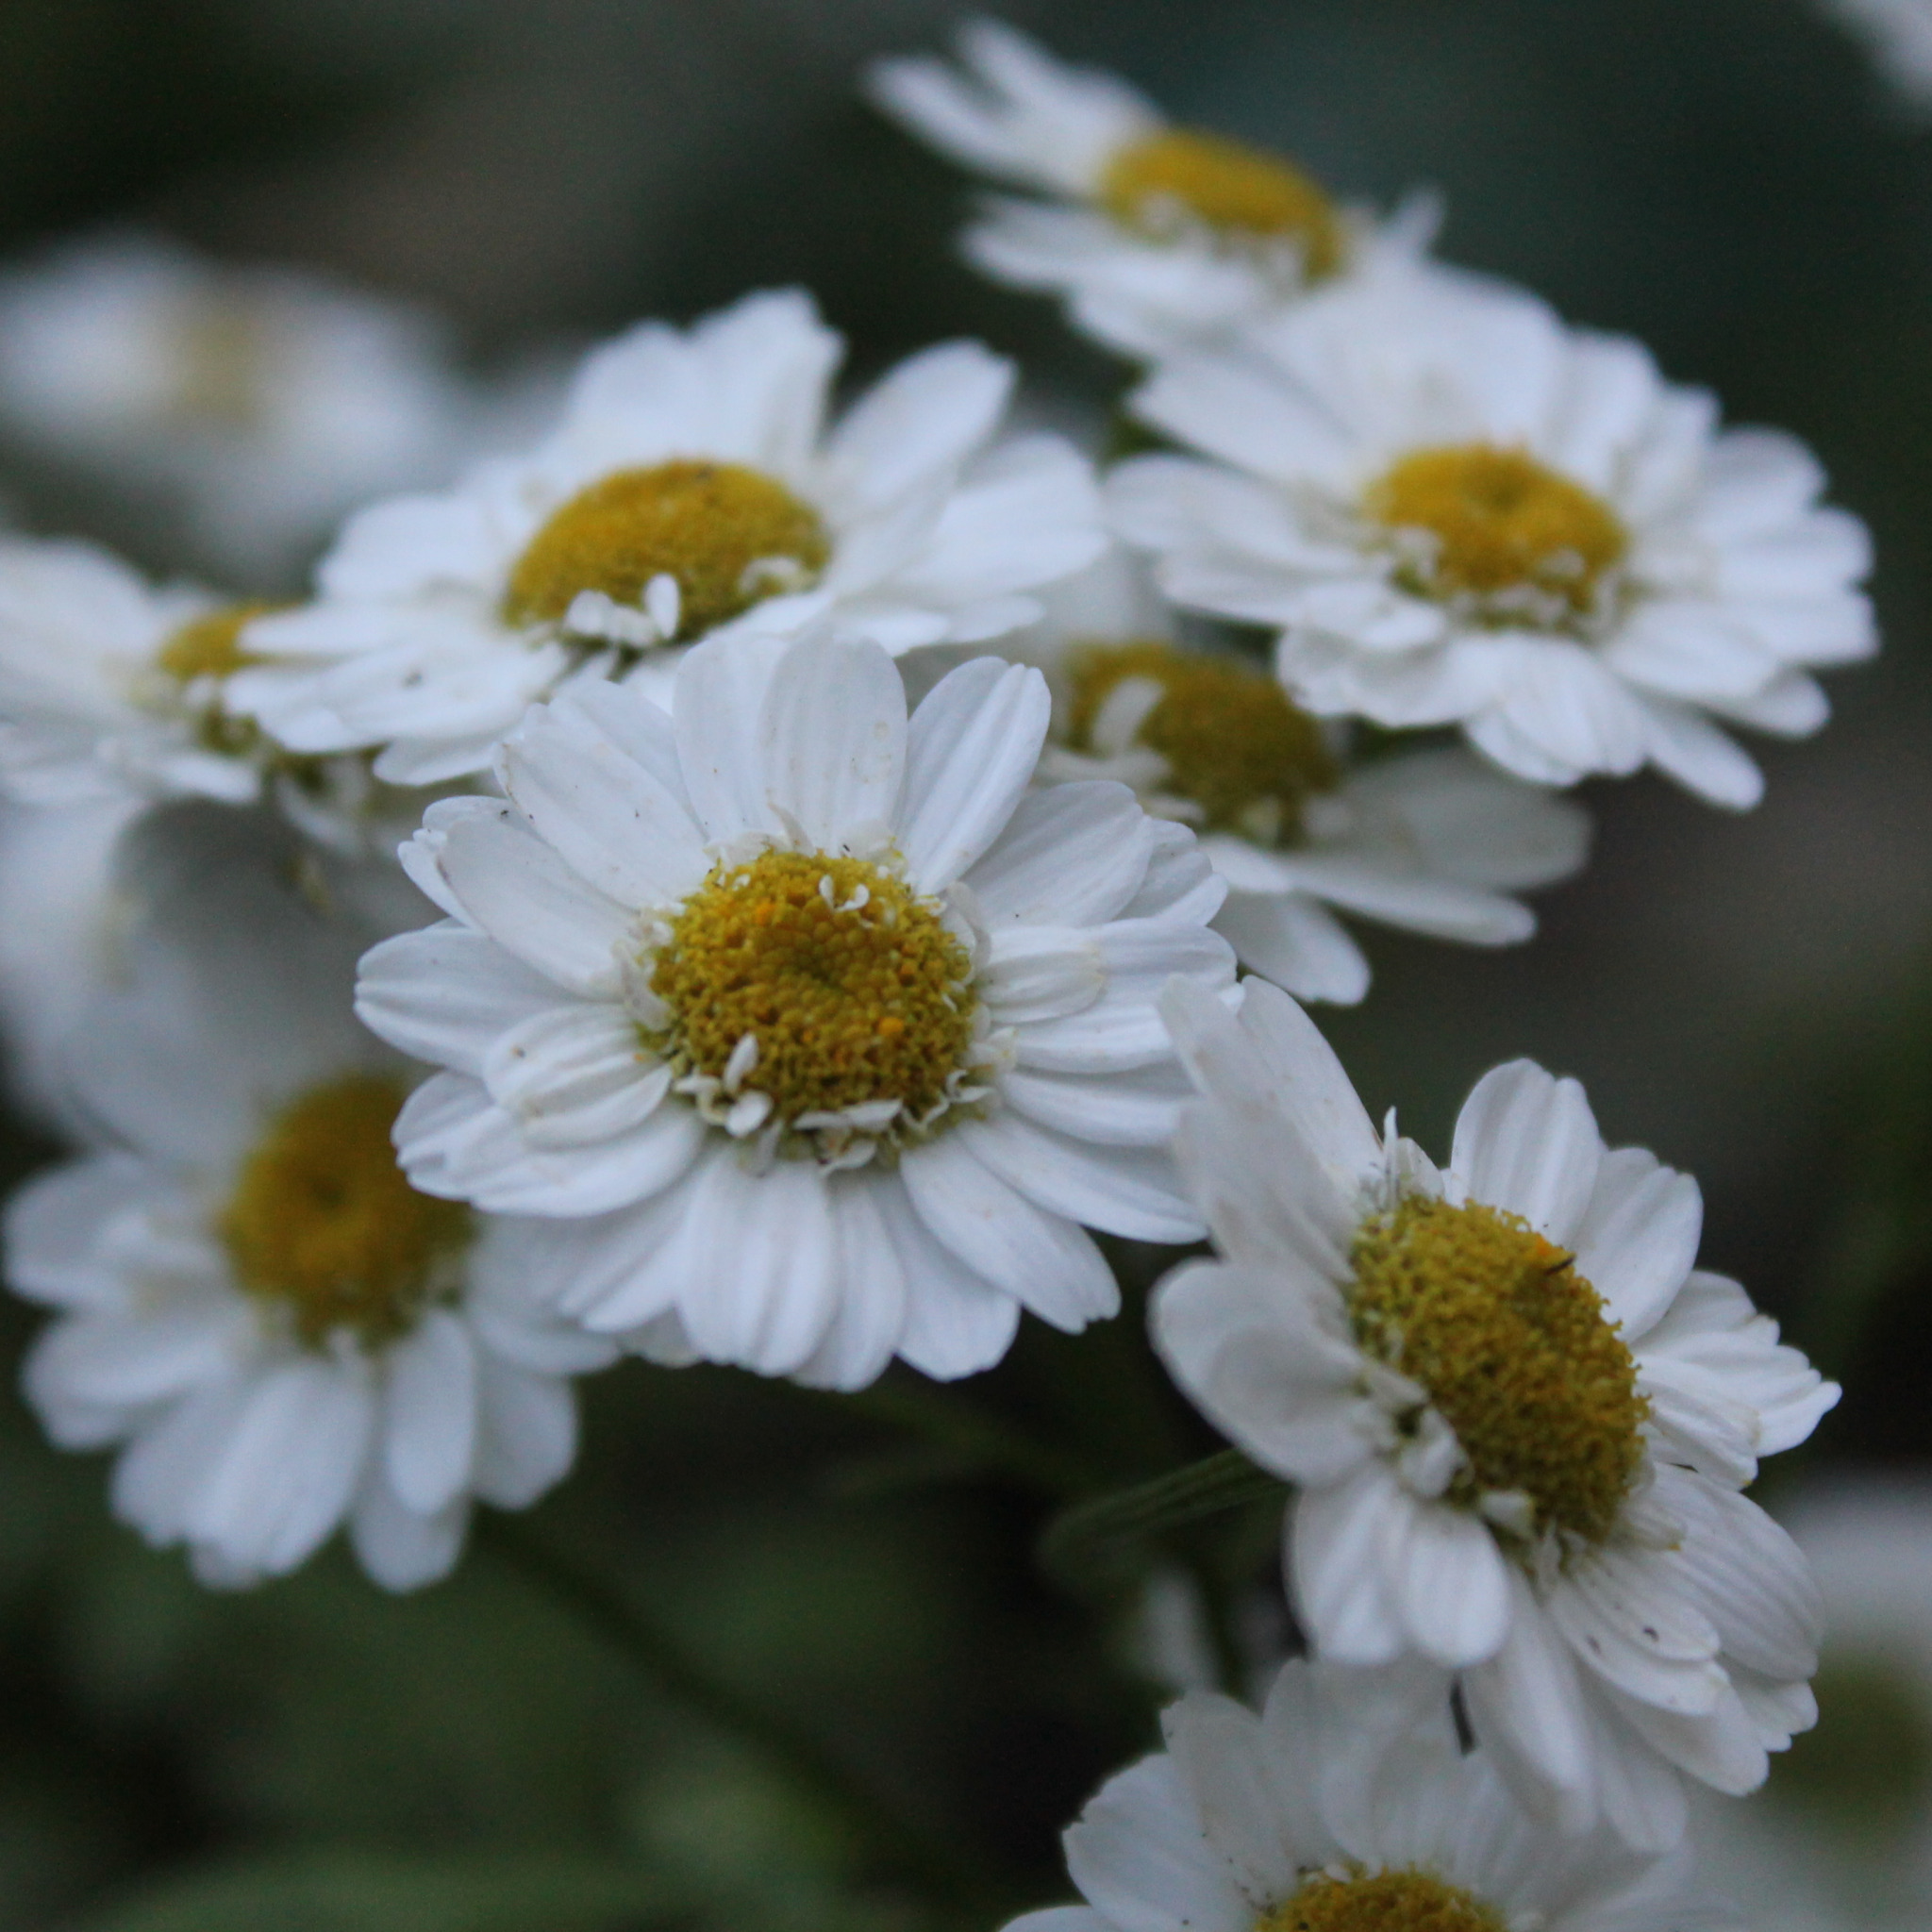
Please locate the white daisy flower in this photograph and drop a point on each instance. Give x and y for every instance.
(1520, 1416)
(113, 689)
(1457, 510)
(1154, 235)
(1342, 1808)
(284, 1334)
(1299, 827)
(262, 403)
(693, 480)
(819, 1032)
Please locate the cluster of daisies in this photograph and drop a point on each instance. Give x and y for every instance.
(751, 876)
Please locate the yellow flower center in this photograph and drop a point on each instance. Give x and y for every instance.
(1496, 527)
(1178, 178)
(211, 646)
(1516, 1353)
(728, 536)
(853, 989)
(323, 1224)
(1380, 1902)
(1235, 747)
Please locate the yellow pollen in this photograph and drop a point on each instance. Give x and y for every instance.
(1234, 743)
(854, 990)
(1380, 1902)
(729, 536)
(1242, 193)
(1497, 521)
(1516, 1353)
(322, 1223)
(211, 646)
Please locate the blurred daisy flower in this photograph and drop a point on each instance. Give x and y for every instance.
(692, 482)
(284, 1334)
(265, 403)
(1900, 35)
(1455, 510)
(1521, 1418)
(1346, 1804)
(818, 1033)
(110, 686)
(1301, 827)
(1154, 235)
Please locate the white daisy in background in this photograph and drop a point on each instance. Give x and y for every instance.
(283, 1332)
(261, 403)
(1154, 235)
(1520, 1416)
(111, 688)
(693, 481)
(1455, 510)
(1300, 828)
(819, 1032)
(1900, 35)
(1345, 1807)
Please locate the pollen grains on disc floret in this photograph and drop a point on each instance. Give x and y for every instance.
(728, 536)
(1181, 177)
(1402, 1901)
(852, 990)
(323, 1225)
(1380, 1902)
(1498, 531)
(1236, 747)
(1516, 1355)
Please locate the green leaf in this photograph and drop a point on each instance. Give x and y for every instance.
(1090, 1538)
(373, 1891)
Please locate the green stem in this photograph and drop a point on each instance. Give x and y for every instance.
(894, 1841)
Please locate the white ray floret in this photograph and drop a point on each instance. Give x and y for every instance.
(1155, 236)
(264, 402)
(280, 1333)
(819, 1034)
(1303, 829)
(1345, 1805)
(694, 481)
(1519, 1416)
(1455, 510)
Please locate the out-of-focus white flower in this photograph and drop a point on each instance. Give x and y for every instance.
(1520, 1416)
(820, 1034)
(692, 482)
(1346, 1804)
(281, 1330)
(110, 688)
(1900, 35)
(1455, 510)
(1301, 828)
(264, 402)
(1154, 234)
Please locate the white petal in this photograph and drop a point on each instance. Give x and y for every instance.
(1335, 1565)
(446, 993)
(873, 1291)
(399, 1548)
(1072, 855)
(1133, 1191)
(1296, 942)
(526, 1432)
(1446, 1580)
(1639, 1238)
(717, 709)
(574, 1076)
(430, 1436)
(1223, 1759)
(1042, 1260)
(832, 738)
(1627, 1624)
(971, 750)
(1139, 1855)
(1527, 1142)
(957, 1323)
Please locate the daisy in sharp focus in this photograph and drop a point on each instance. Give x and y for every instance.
(1154, 235)
(114, 688)
(694, 481)
(1457, 510)
(1345, 1807)
(1299, 827)
(1520, 1416)
(261, 403)
(819, 1034)
(250, 1297)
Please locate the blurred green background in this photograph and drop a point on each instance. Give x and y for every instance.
(1752, 998)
